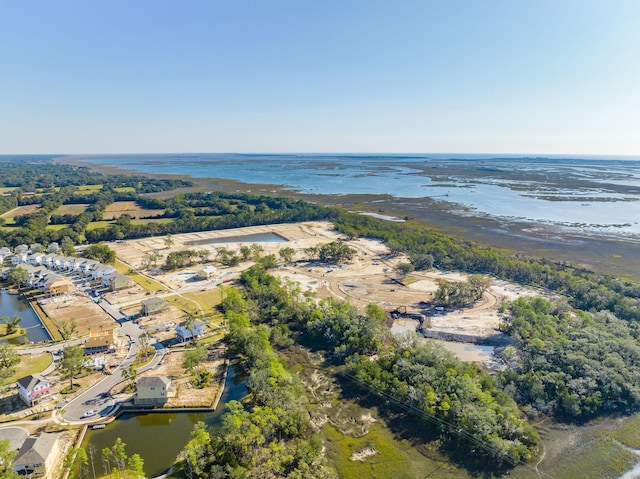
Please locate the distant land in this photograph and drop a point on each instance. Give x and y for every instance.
(585, 210)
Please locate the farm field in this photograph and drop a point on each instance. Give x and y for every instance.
(72, 209)
(19, 211)
(114, 210)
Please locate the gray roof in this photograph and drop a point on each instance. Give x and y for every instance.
(154, 381)
(154, 302)
(36, 450)
(29, 382)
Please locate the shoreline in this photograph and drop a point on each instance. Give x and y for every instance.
(616, 256)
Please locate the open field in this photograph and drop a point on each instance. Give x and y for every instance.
(88, 315)
(19, 211)
(30, 364)
(73, 209)
(87, 189)
(114, 210)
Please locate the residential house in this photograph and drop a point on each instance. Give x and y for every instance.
(33, 388)
(49, 259)
(21, 249)
(117, 281)
(206, 273)
(102, 270)
(35, 248)
(53, 247)
(153, 391)
(37, 456)
(101, 341)
(18, 258)
(55, 284)
(4, 254)
(88, 266)
(153, 306)
(35, 259)
(196, 331)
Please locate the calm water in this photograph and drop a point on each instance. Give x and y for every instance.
(159, 437)
(596, 194)
(253, 238)
(10, 305)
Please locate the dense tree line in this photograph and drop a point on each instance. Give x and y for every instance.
(455, 395)
(271, 437)
(573, 364)
(43, 174)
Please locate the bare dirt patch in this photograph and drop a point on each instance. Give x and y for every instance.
(186, 394)
(87, 315)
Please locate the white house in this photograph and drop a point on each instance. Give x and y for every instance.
(36, 259)
(197, 330)
(4, 254)
(18, 258)
(32, 388)
(102, 270)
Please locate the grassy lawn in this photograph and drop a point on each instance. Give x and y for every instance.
(56, 227)
(88, 189)
(31, 364)
(147, 283)
(125, 189)
(98, 224)
(152, 220)
(7, 189)
(71, 209)
(207, 300)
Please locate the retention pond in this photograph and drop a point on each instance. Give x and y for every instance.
(13, 305)
(158, 437)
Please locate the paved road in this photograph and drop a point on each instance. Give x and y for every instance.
(92, 400)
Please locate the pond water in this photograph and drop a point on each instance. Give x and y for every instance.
(12, 304)
(159, 436)
(467, 352)
(253, 238)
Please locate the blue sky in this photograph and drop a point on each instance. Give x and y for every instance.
(560, 76)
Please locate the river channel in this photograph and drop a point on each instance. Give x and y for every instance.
(159, 436)
(13, 305)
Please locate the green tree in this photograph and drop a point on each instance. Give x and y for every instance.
(67, 246)
(71, 363)
(130, 374)
(76, 461)
(68, 328)
(196, 454)
(6, 460)
(287, 253)
(405, 268)
(100, 252)
(193, 358)
(8, 359)
(17, 276)
(135, 466)
(168, 241)
(245, 252)
(12, 324)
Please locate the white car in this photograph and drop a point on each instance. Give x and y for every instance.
(90, 413)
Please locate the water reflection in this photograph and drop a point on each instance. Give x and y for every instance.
(159, 436)
(11, 305)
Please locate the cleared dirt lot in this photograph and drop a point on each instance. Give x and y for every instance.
(369, 278)
(88, 315)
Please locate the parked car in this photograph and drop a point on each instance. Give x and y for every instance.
(90, 413)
